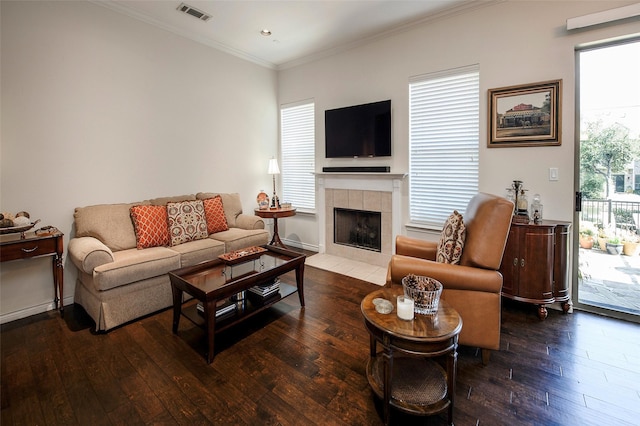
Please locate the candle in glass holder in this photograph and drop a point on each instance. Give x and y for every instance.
(405, 308)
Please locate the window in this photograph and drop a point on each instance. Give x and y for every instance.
(443, 144)
(297, 148)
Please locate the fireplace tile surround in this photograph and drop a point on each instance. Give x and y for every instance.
(376, 192)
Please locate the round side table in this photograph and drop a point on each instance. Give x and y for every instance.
(416, 370)
(275, 214)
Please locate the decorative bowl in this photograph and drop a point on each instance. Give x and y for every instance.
(18, 229)
(425, 292)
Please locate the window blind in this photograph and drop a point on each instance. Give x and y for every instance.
(443, 144)
(297, 147)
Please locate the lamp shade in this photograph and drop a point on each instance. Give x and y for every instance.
(273, 167)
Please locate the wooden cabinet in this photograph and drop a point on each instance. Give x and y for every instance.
(535, 264)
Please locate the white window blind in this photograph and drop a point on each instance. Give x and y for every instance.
(297, 147)
(443, 144)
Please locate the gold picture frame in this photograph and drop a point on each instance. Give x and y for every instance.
(525, 115)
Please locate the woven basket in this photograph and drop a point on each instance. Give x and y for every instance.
(425, 301)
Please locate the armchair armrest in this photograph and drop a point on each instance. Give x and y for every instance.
(249, 221)
(452, 277)
(87, 253)
(414, 247)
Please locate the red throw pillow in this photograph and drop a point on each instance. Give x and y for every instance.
(150, 224)
(214, 212)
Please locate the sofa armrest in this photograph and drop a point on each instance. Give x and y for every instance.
(415, 247)
(452, 277)
(249, 221)
(87, 253)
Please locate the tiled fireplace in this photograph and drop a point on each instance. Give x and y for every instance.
(366, 195)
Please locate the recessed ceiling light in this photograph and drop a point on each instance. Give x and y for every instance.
(265, 32)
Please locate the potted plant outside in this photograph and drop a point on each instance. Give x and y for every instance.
(614, 246)
(586, 238)
(631, 245)
(602, 239)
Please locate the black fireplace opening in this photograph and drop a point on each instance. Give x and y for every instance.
(357, 228)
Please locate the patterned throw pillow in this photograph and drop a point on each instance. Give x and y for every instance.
(150, 225)
(451, 240)
(214, 213)
(187, 221)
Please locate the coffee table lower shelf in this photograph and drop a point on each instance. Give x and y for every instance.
(251, 306)
(419, 384)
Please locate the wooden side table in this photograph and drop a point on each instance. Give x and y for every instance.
(275, 214)
(416, 371)
(14, 247)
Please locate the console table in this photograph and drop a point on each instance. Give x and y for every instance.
(14, 247)
(275, 214)
(416, 371)
(535, 264)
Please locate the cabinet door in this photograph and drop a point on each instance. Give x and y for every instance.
(536, 264)
(510, 261)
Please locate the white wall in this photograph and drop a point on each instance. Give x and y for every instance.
(99, 108)
(513, 42)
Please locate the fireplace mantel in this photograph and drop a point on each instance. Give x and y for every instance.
(364, 181)
(382, 182)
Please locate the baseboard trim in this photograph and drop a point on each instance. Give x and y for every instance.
(300, 245)
(32, 310)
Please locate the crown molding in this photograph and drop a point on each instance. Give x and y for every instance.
(458, 9)
(119, 8)
(465, 7)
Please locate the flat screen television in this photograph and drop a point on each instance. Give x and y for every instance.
(358, 131)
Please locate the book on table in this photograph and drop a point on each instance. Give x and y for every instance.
(267, 289)
(223, 307)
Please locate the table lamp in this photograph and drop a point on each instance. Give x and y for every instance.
(274, 170)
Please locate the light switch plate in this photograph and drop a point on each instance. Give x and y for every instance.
(553, 173)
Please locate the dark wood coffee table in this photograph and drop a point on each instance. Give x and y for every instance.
(216, 280)
(416, 370)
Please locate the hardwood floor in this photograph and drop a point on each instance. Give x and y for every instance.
(292, 366)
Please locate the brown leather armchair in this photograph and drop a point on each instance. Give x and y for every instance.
(473, 287)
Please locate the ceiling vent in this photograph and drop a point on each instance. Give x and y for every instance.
(194, 12)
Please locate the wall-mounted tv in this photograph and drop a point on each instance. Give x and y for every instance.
(358, 131)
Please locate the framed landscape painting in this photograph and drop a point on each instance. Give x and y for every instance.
(525, 115)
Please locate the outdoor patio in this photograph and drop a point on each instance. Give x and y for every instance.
(610, 281)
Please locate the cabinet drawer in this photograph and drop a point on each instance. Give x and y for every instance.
(27, 249)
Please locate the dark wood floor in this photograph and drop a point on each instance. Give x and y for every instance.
(292, 366)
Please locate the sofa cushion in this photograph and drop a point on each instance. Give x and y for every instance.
(231, 203)
(236, 238)
(214, 212)
(187, 221)
(150, 225)
(163, 201)
(198, 251)
(109, 223)
(135, 265)
(451, 240)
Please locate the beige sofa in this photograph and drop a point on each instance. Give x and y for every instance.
(118, 282)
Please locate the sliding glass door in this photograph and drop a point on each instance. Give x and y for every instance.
(608, 185)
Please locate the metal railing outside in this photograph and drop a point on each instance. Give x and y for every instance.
(622, 215)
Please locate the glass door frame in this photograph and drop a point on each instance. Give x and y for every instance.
(576, 246)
